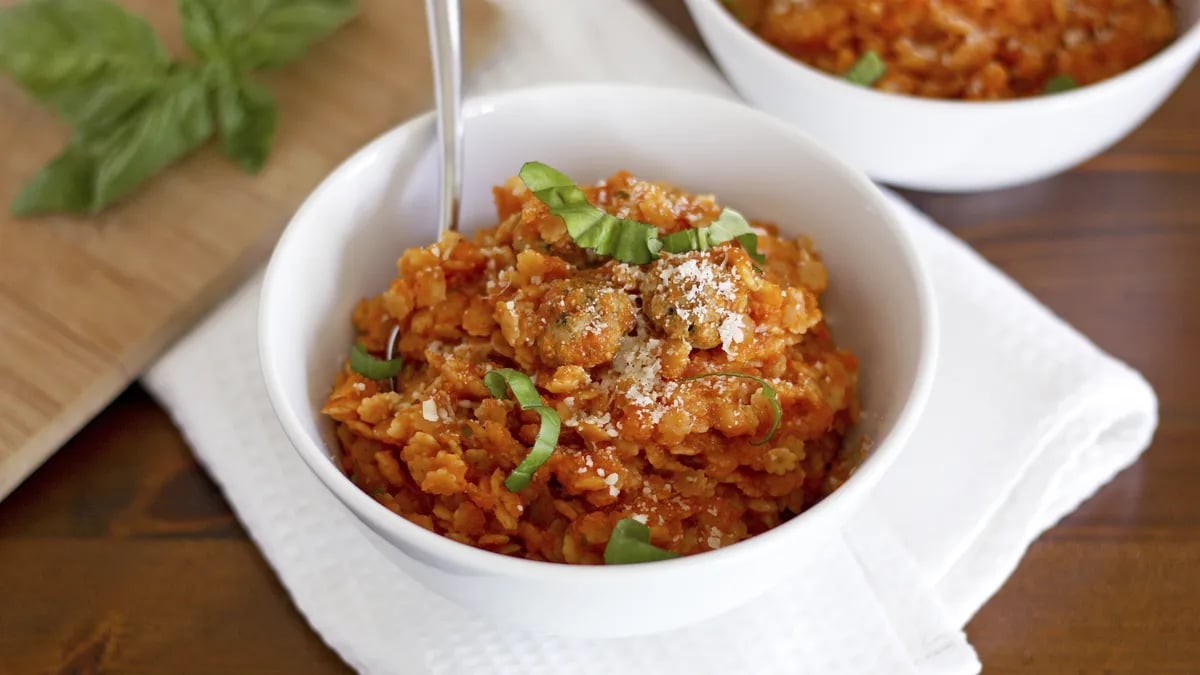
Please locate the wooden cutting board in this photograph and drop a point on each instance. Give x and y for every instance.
(87, 303)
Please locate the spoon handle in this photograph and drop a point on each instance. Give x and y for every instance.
(444, 19)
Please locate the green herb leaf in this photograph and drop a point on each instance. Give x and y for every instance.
(627, 240)
(750, 243)
(767, 390)
(371, 367)
(499, 382)
(630, 543)
(590, 227)
(134, 111)
(100, 166)
(867, 70)
(91, 60)
(246, 114)
(254, 34)
(728, 226)
(65, 184)
(1060, 83)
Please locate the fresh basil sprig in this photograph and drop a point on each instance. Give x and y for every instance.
(133, 110)
(499, 382)
(630, 543)
(767, 390)
(92, 62)
(629, 241)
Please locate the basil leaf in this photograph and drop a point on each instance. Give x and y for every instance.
(65, 184)
(202, 28)
(630, 543)
(371, 367)
(246, 115)
(627, 240)
(750, 243)
(867, 70)
(101, 166)
(499, 382)
(1060, 83)
(254, 34)
(590, 227)
(728, 226)
(91, 60)
(767, 390)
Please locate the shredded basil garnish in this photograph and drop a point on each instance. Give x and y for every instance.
(767, 390)
(630, 543)
(629, 241)
(626, 240)
(499, 382)
(867, 69)
(1060, 83)
(728, 226)
(371, 367)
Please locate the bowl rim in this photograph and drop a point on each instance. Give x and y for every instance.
(465, 556)
(1186, 41)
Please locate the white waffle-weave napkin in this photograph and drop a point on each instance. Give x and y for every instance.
(1026, 419)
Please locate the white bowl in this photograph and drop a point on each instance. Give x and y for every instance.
(343, 243)
(941, 145)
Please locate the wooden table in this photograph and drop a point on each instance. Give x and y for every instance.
(120, 555)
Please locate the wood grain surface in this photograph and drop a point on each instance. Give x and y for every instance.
(120, 556)
(93, 300)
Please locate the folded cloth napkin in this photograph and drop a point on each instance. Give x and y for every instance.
(1026, 419)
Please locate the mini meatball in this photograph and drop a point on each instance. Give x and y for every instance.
(584, 321)
(692, 295)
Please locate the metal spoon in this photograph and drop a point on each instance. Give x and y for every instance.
(444, 22)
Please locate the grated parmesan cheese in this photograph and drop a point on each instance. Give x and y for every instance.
(732, 332)
(637, 367)
(429, 410)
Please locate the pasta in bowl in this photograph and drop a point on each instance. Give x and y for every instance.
(694, 390)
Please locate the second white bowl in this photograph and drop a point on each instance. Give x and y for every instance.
(951, 146)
